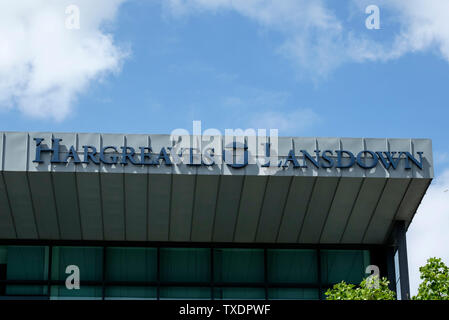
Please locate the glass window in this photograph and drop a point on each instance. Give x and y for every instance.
(347, 265)
(239, 293)
(292, 266)
(185, 264)
(127, 292)
(84, 292)
(238, 265)
(131, 264)
(293, 293)
(185, 293)
(26, 263)
(89, 260)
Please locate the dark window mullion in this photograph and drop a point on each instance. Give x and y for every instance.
(320, 285)
(265, 271)
(158, 289)
(50, 258)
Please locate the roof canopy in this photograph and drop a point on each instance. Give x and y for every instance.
(69, 186)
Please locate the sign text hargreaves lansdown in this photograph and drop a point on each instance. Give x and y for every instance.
(110, 155)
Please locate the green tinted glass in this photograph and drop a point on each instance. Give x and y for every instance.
(89, 260)
(293, 293)
(239, 293)
(26, 263)
(185, 293)
(85, 292)
(347, 265)
(238, 265)
(185, 264)
(127, 292)
(131, 264)
(292, 266)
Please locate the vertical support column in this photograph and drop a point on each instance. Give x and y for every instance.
(391, 273)
(401, 242)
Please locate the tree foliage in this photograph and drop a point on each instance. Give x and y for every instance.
(435, 281)
(371, 288)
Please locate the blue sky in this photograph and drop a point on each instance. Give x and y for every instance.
(307, 69)
(225, 70)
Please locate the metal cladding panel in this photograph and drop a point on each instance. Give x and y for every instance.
(228, 203)
(181, 207)
(15, 148)
(159, 202)
(352, 145)
(345, 197)
(204, 207)
(364, 207)
(273, 207)
(157, 142)
(45, 156)
(298, 200)
(68, 139)
(386, 210)
(425, 146)
(41, 187)
(135, 141)
(412, 199)
(375, 145)
(91, 211)
(66, 198)
(403, 145)
(136, 206)
(253, 195)
(21, 204)
(88, 140)
(7, 227)
(309, 145)
(113, 204)
(320, 203)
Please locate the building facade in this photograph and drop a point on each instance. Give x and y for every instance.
(142, 217)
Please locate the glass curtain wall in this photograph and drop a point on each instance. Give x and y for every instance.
(176, 273)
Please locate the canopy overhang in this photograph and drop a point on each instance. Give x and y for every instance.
(42, 197)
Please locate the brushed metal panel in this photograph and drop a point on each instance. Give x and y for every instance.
(341, 208)
(320, 203)
(295, 209)
(159, 201)
(90, 205)
(386, 210)
(181, 207)
(21, 204)
(250, 205)
(7, 227)
(136, 206)
(204, 207)
(227, 208)
(364, 207)
(273, 207)
(113, 202)
(41, 187)
(66, 196)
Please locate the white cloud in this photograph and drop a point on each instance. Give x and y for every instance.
(428, 234)
(44, 65)
(318, 41)
(424, 25)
